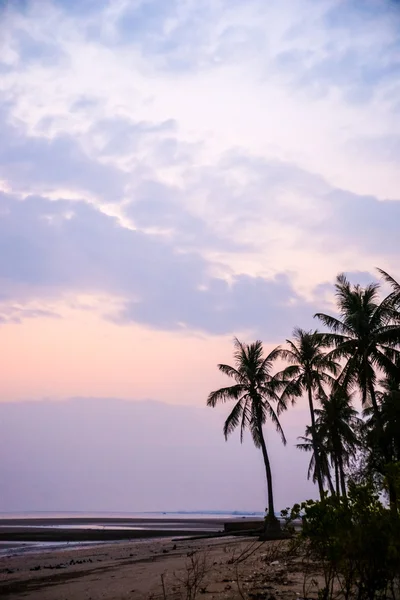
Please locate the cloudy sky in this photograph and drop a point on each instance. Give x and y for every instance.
(173, 173)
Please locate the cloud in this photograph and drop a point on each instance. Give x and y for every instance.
(37, 163)
(50, 248)
(276, 79)
(363, 223)
(31, 50)
(229, 188)
(382, 149)
(252, 304)
(347, 53)
(121, 136)
(16, 314)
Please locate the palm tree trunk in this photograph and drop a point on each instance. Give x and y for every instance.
(268, 472)
(375, 406)
(337, 482)
(329, 478)
(342, 478)
(315, 443)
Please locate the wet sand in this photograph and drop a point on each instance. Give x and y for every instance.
(103, 529)
(107, 529)
(226, 568)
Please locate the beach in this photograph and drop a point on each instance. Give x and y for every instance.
(152, 568)
(75, 556)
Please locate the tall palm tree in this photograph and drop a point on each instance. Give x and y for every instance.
(308, 370)
(336, 422)
(254, 392)
(364, 336)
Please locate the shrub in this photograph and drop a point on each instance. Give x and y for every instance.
(355, 540)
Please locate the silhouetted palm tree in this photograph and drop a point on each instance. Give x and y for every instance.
(388, 398)
(307, 445)
(365, 337)
(254, 392)
(336, 423)
(309, 369)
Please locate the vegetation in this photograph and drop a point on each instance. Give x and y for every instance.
(353, 531)
(355, 542)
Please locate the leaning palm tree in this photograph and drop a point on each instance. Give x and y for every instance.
(308, 370)
(254, 392)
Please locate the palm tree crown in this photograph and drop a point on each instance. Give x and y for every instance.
(365, 336)
(309, 365)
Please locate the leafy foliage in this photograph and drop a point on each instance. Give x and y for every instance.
(365, 336)
(355, 540)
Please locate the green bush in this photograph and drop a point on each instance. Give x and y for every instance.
(355, 540)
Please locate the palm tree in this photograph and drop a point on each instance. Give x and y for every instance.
(336, 422)
(307, 445)
(309, 369)
(254, 392)
(388, 398)
(365, 337)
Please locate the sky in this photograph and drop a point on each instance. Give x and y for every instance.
(173, 174)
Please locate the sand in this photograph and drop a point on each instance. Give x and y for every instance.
(233, 568)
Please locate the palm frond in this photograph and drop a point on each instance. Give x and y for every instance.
(390, 280)
(230, 372)
(334, 324)
(232, 392)
(289, 354)
(233, 419)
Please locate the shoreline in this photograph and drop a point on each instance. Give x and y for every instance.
(65, 530)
